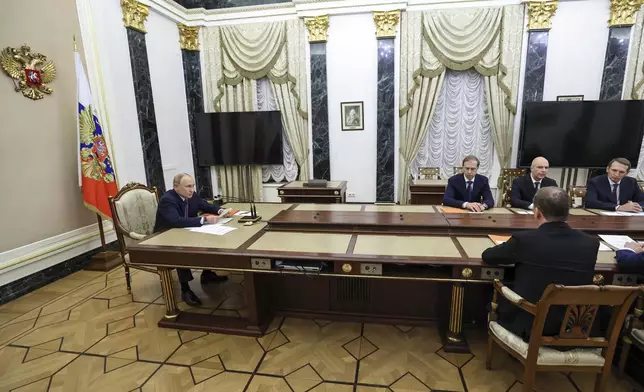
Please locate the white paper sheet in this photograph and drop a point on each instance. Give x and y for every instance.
(223, 221)
(621, 213)
(616, 241)
(243, 213)
(603, 247)
(212, 229)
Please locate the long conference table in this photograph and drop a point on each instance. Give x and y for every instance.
(402, 265)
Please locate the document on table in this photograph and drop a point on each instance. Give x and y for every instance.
(223, 221)
(621, 213)
(603, 247)
(616, 241)
(499, 239)
(243, 213)
(523, 212)
(212, 229)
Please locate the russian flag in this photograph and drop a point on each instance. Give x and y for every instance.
(96, 172)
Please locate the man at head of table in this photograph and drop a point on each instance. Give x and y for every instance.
(178, 208)
(525, 187)
(614, 191)
(552, 253)
(469, 190)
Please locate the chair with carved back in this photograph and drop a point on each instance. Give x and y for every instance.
(506, 178)
(634, 333)
(134, 210)
(429, 173)
(577, 196)
(457, 170)
(586, 354)
(641, 185)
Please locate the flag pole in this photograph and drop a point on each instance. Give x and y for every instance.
(100, 229)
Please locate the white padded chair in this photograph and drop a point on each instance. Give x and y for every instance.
(134, 210)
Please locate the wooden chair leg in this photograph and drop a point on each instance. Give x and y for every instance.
(626, 348)
(528, 378)
(128, 280)
(602, 378)
(490, 349)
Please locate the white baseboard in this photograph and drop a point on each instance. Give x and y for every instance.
(26, 260)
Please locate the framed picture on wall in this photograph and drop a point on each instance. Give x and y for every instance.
(352, 116)
(570, 98)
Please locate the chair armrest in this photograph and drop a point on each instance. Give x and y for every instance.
(514, 298)
(135, 236)
(131, 234)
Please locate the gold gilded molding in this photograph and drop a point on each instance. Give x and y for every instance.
(386, 22)
(540, 13)
(134, 14)
(317, 27)
(29, 71)
(622, 12)
(189, 37)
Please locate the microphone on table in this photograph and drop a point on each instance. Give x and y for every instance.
(253, 208)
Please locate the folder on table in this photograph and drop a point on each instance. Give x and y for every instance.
(499, 239)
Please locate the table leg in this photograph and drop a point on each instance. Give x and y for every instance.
(455, 340)
(171, 311)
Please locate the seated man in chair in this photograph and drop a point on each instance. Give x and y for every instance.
(469, 190)
(178, 208)
(524, 188)
(615, 191)
(553, 253)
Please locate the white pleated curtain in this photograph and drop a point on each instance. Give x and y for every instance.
(288, 170)
(634, 78)
(236, 57)
(459, 127)
(485, 39)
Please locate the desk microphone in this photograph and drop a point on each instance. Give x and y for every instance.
(253, 209)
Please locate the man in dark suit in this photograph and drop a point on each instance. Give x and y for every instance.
(524, 188)
(553, 253)
(614, 191)
(178, 208)
(469, 190)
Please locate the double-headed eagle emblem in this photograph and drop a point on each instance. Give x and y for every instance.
(31, 72)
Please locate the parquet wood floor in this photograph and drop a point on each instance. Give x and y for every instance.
(87, 333)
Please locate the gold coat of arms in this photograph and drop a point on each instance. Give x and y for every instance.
(31, 72)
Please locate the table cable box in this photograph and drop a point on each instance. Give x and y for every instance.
(316, 183)
(307, 266)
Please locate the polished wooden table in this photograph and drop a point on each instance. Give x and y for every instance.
(427, 191)
(389, 264)
(298, 192)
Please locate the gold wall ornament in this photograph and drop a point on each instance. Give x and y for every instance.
(622, 12)
(386, 22)
(189, 37)
(31, 72)
(317, 27)
(540, 13)
(134, 14)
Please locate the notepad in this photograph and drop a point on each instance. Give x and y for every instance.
(452, 210)
(212, 229)
(499, 239)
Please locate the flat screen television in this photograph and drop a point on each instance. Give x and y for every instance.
(583, 134)
(239, 138)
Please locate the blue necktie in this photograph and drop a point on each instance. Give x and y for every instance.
(469, 190)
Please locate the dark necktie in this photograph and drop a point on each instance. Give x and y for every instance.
(469, 190)
(615, 193)
(186, 209)
(537, 185)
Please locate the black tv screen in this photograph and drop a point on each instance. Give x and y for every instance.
(583, 134)
(239, 138)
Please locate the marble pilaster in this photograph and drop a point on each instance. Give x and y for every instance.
(320, 112)
(615, 63)
(145, 109)
(385, 122)
(194, 101)
(535, 71)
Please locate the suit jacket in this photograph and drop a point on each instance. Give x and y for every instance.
(171, 212)
(599, 193)
(553, 253)
(630, 259)
(456, 192)
(523, 190)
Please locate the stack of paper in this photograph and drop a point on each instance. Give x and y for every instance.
(616, 241)
(621, 213)
(212, 229)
